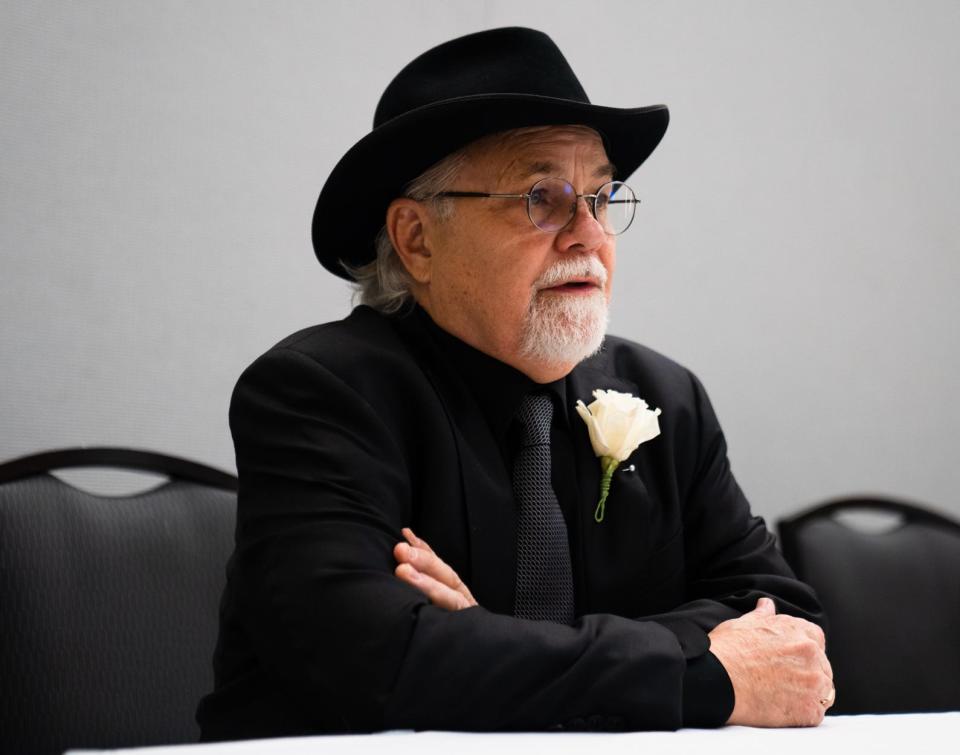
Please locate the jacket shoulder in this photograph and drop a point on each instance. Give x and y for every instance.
(364, 349)
(639, 363)
(361, 360)
(344, 342)
(657, 379)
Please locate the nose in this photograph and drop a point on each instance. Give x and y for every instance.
(583, 233)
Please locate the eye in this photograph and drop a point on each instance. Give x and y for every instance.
(539, 196)
(545, 197)
(603, 199)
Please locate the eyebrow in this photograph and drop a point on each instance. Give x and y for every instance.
(607, 169)
(551, 169)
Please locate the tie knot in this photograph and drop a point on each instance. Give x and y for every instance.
(534, 415)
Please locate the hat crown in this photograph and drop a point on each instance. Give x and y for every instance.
(512, 60)
(448, 97)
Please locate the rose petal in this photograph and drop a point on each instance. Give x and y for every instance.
(617, 431)
(597, 439)
(618, 423)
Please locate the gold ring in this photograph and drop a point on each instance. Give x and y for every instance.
(827, 701)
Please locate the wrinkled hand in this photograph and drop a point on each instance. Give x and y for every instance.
(419, 566)
(778, 667)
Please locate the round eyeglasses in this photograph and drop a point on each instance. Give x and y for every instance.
(552, 204)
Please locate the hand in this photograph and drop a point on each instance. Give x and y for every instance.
(778, 667)
(420, 567)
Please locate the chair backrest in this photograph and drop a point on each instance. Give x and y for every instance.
(108, 605)
(892, 600)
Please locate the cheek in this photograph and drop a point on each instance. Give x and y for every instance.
(491, 274)
(486, 276)
(473, 288)
(502, 291)
(516, 299)
(454, 272)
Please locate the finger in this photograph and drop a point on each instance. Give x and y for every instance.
(821, 663)
(807, 629)
(827, 668)
(814, 632)
(766, 607)
(829, 698)
(430, 564)
(819, 712)
(437, 592)
(416, 541)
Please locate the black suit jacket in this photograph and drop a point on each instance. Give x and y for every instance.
(347, 432)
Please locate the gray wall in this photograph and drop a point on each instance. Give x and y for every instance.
(798, 245)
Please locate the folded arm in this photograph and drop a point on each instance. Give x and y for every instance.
(324, 493)
(731, 558)
(775, 662)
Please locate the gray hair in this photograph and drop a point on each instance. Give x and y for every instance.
(385, 284)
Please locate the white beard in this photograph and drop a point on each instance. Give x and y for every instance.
(565, 329)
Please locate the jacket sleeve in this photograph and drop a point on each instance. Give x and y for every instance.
(731, 557)
(323, 494)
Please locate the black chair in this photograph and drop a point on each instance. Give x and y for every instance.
(892, 600)
(108, 605)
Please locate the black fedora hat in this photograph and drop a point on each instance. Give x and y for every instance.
(449, 96)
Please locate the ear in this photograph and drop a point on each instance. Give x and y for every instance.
(406, 224)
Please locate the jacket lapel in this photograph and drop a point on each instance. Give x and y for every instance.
(611, 550)
(487, 495)
(490, 509)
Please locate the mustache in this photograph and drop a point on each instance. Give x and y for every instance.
(570, 269)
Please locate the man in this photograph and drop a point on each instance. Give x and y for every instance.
(419, 540)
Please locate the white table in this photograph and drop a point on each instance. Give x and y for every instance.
(911, 734)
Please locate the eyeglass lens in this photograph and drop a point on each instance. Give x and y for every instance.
(552, 204)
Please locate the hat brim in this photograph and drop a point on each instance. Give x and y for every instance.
(352, 204)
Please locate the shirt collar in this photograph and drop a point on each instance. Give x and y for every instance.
(497, 387)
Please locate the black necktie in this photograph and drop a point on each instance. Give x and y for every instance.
(544, 578)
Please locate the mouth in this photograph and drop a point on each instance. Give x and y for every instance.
(575, 286)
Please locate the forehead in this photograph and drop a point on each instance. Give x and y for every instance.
(547, 150)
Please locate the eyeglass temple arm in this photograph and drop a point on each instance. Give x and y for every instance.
(484, 194)
(481, 194)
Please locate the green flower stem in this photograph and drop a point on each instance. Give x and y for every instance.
(608, 466)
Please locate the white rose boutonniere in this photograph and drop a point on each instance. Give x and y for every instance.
(617, 423)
